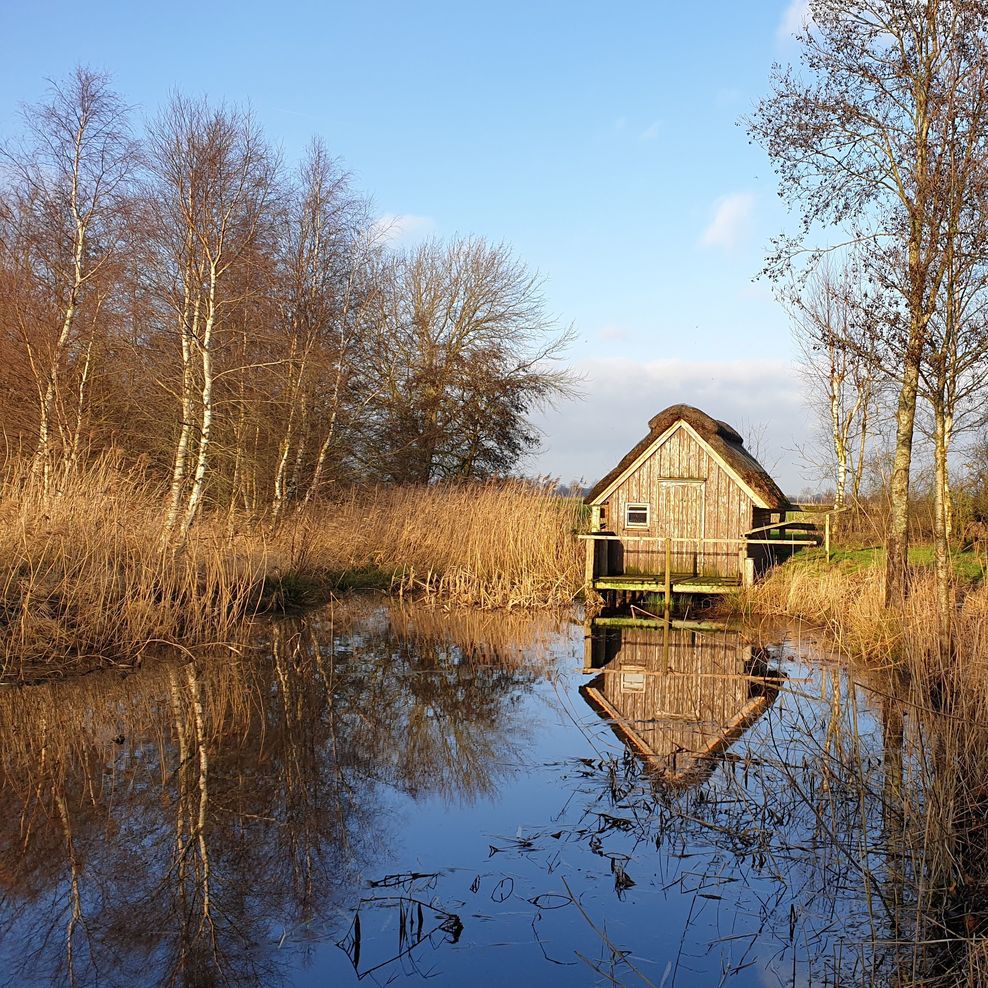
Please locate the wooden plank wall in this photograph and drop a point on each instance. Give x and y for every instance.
(727, 511)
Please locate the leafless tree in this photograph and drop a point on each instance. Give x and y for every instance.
(883, 135)
(68, 207)
(328, 255)
(839, 365)
(470, 352)
(215, 183)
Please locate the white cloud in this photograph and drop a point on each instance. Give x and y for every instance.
(794, 19)
(586, 438)
(732, 217)
(402, 228)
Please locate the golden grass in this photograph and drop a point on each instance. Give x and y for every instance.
(930, 689)
(495, 545)
(85, 576)
(848, 601)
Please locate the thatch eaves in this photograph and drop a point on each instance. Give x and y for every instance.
(724, 440)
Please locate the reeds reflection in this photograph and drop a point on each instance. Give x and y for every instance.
(177, 825)
(388, 792)
(841, 838)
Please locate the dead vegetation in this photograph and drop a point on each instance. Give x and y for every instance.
(930, 686)
(88, 577)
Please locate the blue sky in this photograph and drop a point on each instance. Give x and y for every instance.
(601, 142)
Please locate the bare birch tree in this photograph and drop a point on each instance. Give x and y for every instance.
(215, 182)
(69, 202)
(328, 252)
(839, 364)
(952, 380)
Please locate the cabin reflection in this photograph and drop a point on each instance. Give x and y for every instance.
(677, 695)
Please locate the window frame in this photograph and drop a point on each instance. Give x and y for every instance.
(638, 506)
(633, 679)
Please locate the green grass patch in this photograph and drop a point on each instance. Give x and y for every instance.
(967, 565)
(300, 590)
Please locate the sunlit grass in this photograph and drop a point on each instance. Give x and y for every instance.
(86, 576)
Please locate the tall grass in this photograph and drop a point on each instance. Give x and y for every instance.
(848, 601)
(86, 577)
(930, 688)
(495, 545)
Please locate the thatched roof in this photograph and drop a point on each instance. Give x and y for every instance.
(722, 438)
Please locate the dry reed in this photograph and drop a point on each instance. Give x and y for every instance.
(847, 601)
(86, 577)
(931, 686)
(495, 545)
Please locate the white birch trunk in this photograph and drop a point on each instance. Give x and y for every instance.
(205, 347)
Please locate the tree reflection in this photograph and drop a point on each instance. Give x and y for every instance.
(176, 826)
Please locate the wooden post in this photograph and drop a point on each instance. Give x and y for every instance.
(588, 644)
(749, 572)
(668, 601)
(591, 561)
(826, 534)
(665, 644)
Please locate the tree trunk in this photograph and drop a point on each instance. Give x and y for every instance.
(897, 541)
(839, 429)
(188, 333)
(941, 544)
(206, 407)
(41, 467)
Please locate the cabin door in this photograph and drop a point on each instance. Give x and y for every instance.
(680, 517)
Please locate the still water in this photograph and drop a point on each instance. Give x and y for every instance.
(387, 796)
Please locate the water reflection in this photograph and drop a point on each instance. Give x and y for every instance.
(676, 696)
(385, 793)
(191, 819)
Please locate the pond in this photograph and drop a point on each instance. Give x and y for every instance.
(383, 795)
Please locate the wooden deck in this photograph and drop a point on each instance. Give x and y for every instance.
(672, 580)
(682, 583)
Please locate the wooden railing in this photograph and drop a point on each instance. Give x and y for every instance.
(669, 543)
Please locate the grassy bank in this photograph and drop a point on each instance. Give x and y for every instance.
(86, 578)
(847, 597)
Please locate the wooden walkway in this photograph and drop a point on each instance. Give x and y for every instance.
(682, 583)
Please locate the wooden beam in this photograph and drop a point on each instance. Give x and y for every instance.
(656, 584)
(668, 587)
(602, 537)
(655, 624)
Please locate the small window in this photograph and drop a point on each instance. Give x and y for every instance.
(633, 681)
(636, 516)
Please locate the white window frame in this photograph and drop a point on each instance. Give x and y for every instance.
(633, 680)
(638, 506)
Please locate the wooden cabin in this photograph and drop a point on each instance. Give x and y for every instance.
(689, 484)
(675, 697)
